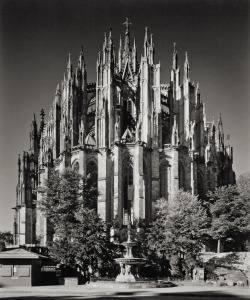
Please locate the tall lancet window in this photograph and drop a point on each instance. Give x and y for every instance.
(129, 106)
(181, 170)
(92, 182)
(200, 184)
(164, 180)
(128, 191)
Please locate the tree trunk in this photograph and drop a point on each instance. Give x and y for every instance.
(218, 246)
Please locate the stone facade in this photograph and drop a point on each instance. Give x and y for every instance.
(136, 138)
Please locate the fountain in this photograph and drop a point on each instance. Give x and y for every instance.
(129, 275)
(129, 264)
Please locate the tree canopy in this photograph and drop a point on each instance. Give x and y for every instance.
(243, 184)
(230, 215)
(6, 238)
(180, 228)
(79, 234)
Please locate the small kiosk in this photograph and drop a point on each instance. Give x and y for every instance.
(20, 267)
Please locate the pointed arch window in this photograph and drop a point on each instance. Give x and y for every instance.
(181, 170)
(92, 174)
(76, 166)
(129, 106)
(128, 189)
(164, 180)
(200, 184)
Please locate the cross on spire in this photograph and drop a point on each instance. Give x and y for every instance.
(127, 23)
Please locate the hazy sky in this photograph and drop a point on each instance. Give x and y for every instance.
(37, 35)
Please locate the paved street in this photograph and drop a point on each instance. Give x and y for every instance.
(83, 292)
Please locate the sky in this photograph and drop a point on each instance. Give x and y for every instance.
(36, 37)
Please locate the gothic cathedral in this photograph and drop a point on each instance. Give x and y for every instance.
(136, 138)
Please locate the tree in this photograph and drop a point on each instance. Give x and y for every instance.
(6, 238)
(179, 230)
(79, 234)
(243, 184)
(230, 216)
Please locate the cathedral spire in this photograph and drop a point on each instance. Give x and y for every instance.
(110, 47)
(220, 124)
(127, 37)
(186, 68)
(33, 133)
(175, 137)
(120, 55)
(134, 56)
(19, 168)
(81, 61)
(126, 23)
(69, 67)
(110, 35)
(151, 50)
(220, 134)
(146, 42)
(105, 41)
(198, 95)
(58, 92)
(57, 95)
(42, 114)
(175, 58)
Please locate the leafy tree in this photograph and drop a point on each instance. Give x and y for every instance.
(6, 238)
(79, 233)
(243, 184)
(230, 216)
(179, 230)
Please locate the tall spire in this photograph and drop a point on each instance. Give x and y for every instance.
(220, 124)
(120, 55)
(146, 35)
(33, 133)
(134, 58)
(42, 114)
(186, 67)
(58, 92)
(127, 37)
(105, 41)
(220, 134)
(146, 42)
(81, 61)
(151, 50)
(198, 94)
(110, 47)
(175, 58)
(69, 67)
(126, 23)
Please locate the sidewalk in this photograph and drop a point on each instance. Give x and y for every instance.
(86, 292)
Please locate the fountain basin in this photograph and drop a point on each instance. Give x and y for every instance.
(131, 261)
(129, 244)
